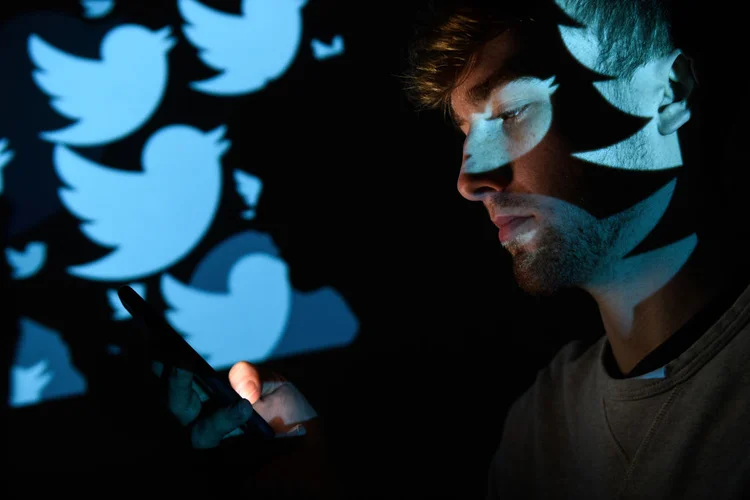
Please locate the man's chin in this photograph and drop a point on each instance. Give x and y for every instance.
(534, 277)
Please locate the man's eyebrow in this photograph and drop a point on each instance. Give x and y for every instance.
(482, 90)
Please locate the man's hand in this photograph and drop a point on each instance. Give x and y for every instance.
(275, 399)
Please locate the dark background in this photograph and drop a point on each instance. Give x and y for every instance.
(364, 202)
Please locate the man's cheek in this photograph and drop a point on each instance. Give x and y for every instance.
(531, 132)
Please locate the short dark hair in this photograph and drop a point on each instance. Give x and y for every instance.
(447, 39)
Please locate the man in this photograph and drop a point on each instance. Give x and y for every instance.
(571, 114)
(658, 407)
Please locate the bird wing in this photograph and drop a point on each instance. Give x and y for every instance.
(217, 34)
(248, 186)
(76, 84)
(108, 200)
(194, 312)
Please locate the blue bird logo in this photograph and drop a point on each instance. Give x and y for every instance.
(250, 49)
(249, 187)
(252, 315)
(323, 50)
(109, 98)
(27, 263)
(151, 218)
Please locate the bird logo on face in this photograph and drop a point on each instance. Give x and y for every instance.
(489, 144)
(583, 44)
(109, 98)
(151, 218)
(250, 49)
(252, 315)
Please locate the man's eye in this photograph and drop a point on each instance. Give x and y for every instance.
(513, 113)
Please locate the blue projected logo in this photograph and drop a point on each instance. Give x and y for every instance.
(29, 261)
(94, 9)
(86, 85)
(245, 322)
(249, 49)
(239, 305)
(110, 98)
(5, 156)
(42, 368)
(151, 218)
(249, 187)
(323, 50)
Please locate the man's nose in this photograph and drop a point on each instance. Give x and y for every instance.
(475, 183)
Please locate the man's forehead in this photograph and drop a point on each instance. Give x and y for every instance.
(492, 60)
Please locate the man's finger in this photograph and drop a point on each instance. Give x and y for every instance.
(208, 432)
(245, 380)
(183, 401)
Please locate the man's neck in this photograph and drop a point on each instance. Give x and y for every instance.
(648, 297)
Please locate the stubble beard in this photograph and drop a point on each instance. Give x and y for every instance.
(559, 259)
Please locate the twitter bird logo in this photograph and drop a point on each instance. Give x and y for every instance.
(28, 383)
(249, 187)
(5, 156)
(42, 368)
(248, 49)
(28, 262)
(120, 313)
(95, 9)
(150, 218)
(325, 51)
(244, 323)
(110, 98)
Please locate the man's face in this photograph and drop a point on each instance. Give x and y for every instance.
(584, 215)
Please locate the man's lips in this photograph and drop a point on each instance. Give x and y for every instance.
(503, 220)
(511, 225)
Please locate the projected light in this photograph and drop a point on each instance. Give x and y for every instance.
(161, 213)
(141, 220)
(323, 50)
(240, 304)
(248, 50)
(96, 9)
(5, 156)
(27, 262)
(110, 98)
(42, 367)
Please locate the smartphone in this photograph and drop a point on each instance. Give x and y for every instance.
(170, 348)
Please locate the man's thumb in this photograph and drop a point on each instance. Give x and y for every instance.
(245, 380)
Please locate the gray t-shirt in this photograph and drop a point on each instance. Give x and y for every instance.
(681, 432)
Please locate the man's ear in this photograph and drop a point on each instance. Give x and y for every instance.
(674, 110)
